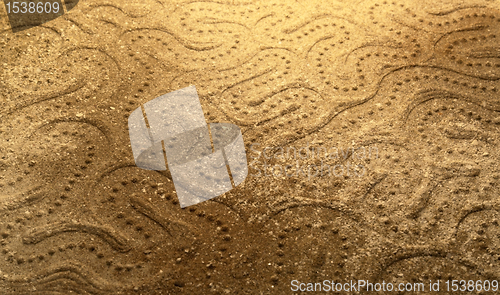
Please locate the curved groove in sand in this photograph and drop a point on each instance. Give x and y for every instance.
(54, 94)
(19, 200)
(314, 18)
(188, 45)
(111, 5)
(106, 234)
(211, 2)
(56, 279)
(452, 10)
(100, 126)
(100, 50)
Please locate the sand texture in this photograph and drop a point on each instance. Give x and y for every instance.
(417, 83)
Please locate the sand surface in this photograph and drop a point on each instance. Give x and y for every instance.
(412, 87)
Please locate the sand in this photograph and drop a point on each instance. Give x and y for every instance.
(393, 103)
